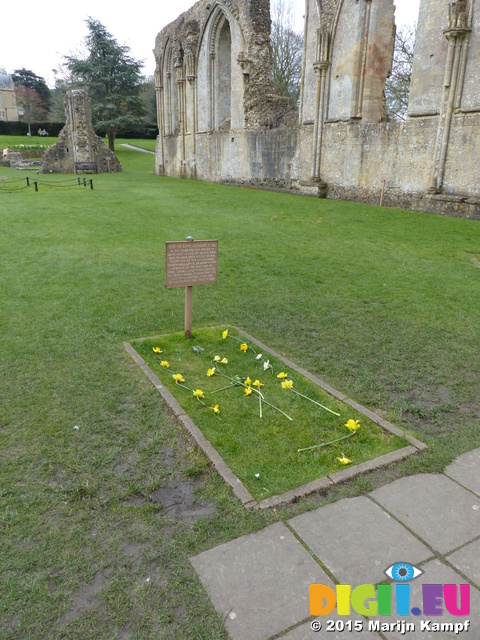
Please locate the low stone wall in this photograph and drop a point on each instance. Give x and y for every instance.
(356, 158)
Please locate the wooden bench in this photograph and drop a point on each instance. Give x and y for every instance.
(86, 167)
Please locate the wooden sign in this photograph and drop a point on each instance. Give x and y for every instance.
(383, 177)
(188, 264)
(191, 263)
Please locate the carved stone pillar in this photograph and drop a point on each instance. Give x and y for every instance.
(321, 66)
(169, 115)
(178, 64)
(191, 73)
(160, 120)
(457, 33)
(212, 90)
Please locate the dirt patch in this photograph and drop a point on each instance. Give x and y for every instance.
(428, 400)
(470, 408)
(178, 500)
(177, 496)
(86, 597)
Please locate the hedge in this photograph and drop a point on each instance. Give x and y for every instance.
(54, 128)
(21, 128)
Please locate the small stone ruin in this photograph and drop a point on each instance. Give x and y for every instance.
(79, 149)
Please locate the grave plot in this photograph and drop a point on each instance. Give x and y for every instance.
(271, 429)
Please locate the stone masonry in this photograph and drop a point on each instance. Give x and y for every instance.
(220, 119)
(78, 149)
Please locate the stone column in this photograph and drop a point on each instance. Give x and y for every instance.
(321, 66)
(160, 120)
(190, 60)
(178, 64)
(457, 33)
(212, 90)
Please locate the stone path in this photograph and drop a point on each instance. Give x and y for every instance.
(135, 148)
(260, 583)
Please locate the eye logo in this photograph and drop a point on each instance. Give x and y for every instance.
(403, 572)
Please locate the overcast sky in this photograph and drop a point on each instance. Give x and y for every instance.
(36, 35)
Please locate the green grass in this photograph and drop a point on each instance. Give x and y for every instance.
(260, 435)
(382, 304)
(13, 141)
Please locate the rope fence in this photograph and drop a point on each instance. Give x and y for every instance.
(11, 186)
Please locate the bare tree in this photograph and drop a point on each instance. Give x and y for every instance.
(30, 104)
(397, 87)
(287, 50)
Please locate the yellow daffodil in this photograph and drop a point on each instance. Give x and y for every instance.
(225, 334)
(198, 393)
(258, 384)
(224, 360)
(211, 372)
(165, 363)
(178, 377)
(215, 409)
(344, 459)
(287, 384)
(157, 350)
(247, 391)
(282, 375)
(248, 382)
(352, 425)
(244, 346)
(217, 359)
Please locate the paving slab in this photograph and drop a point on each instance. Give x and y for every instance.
(434, 507)
(467, 560)
(259, 583)
(466, 470)
(357, 540)
(305, 631)
(435, 573)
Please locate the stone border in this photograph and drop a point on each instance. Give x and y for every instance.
(235, 483)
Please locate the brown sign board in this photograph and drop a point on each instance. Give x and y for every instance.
(191, 263)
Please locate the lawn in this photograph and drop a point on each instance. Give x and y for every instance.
(382, 304)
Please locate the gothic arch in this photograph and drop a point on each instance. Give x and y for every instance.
(170, 90)
(220, 79)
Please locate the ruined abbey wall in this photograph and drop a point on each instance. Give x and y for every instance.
(219, 118)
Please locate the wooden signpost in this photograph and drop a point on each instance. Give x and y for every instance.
(383, 177)
(188, 264)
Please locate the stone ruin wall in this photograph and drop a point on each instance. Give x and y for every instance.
(78, 145)
(220, 120)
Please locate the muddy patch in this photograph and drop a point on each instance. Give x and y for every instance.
(179, 501)
(86, 597)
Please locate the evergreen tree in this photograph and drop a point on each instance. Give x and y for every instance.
(113, 81)
(28, 79)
